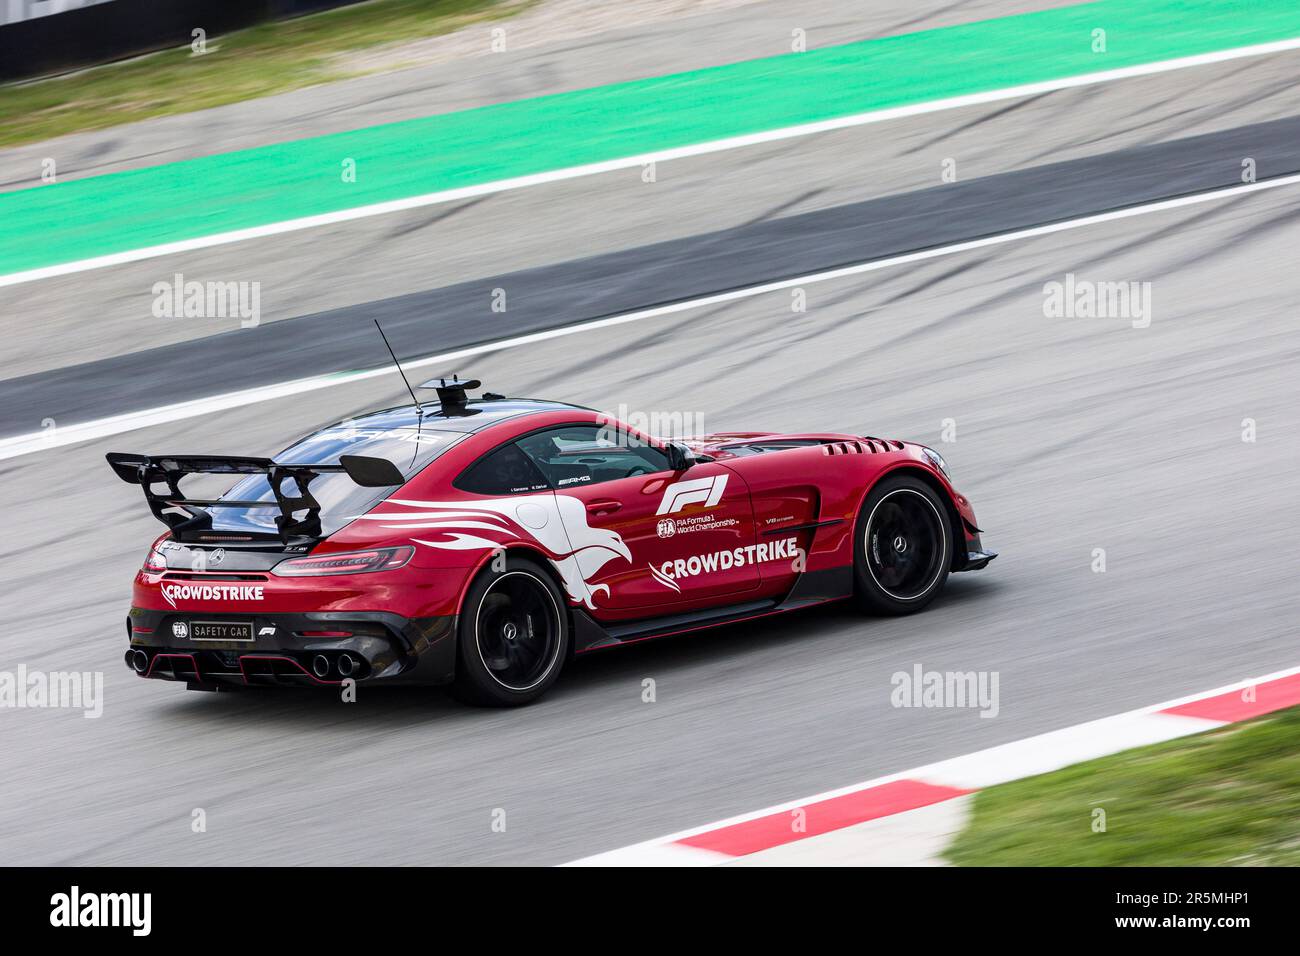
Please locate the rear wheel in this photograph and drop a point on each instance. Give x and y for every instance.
(513, 635)
(903, 548)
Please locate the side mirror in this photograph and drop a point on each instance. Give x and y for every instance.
(679, 456)
(371, 472)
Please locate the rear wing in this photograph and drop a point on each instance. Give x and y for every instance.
(183, 514)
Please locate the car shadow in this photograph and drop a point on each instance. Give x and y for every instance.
(823, 629)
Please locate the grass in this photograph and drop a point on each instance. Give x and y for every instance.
(1229, 797)
(269, 58)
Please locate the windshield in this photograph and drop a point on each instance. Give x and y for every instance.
(408, 445)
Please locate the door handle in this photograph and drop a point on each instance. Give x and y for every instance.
(604, 506)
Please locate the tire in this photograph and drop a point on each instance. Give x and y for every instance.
(903, 545)
(512, 638)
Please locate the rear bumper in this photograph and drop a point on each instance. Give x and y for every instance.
(288, 649)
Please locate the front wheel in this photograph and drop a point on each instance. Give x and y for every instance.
(513, 636)
(903, 548)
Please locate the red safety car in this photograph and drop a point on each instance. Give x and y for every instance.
(484, 542)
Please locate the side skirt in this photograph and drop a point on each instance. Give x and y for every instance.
(812, 588)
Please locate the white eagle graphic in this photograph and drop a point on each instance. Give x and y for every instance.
(558, 523)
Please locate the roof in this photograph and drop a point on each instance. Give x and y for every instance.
(477, 414)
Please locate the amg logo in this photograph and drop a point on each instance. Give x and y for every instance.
(73, 909)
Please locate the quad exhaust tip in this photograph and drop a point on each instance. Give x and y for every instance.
(320, 666)
(347, 664)
(139, 661)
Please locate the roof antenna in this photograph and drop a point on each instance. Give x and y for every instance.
(418, 410)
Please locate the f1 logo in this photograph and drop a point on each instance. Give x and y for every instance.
(706, 491)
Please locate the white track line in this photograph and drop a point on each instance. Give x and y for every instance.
(117, 424)
(697, 149)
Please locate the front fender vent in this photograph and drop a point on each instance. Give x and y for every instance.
(861, 446)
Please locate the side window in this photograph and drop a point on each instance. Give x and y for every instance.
(506, 471)
(576, 455)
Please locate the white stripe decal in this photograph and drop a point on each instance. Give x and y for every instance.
(627, 162)
(31, 442)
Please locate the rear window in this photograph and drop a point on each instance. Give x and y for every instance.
(408, 447)
(506, 471)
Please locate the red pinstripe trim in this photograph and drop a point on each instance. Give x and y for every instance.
(280, 657)
(190, 657)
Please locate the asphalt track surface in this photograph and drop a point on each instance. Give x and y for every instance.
(1072, 435)
(89, 317)
(750, 254)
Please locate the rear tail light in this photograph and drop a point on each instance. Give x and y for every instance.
(350, 562)
(156, 563)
